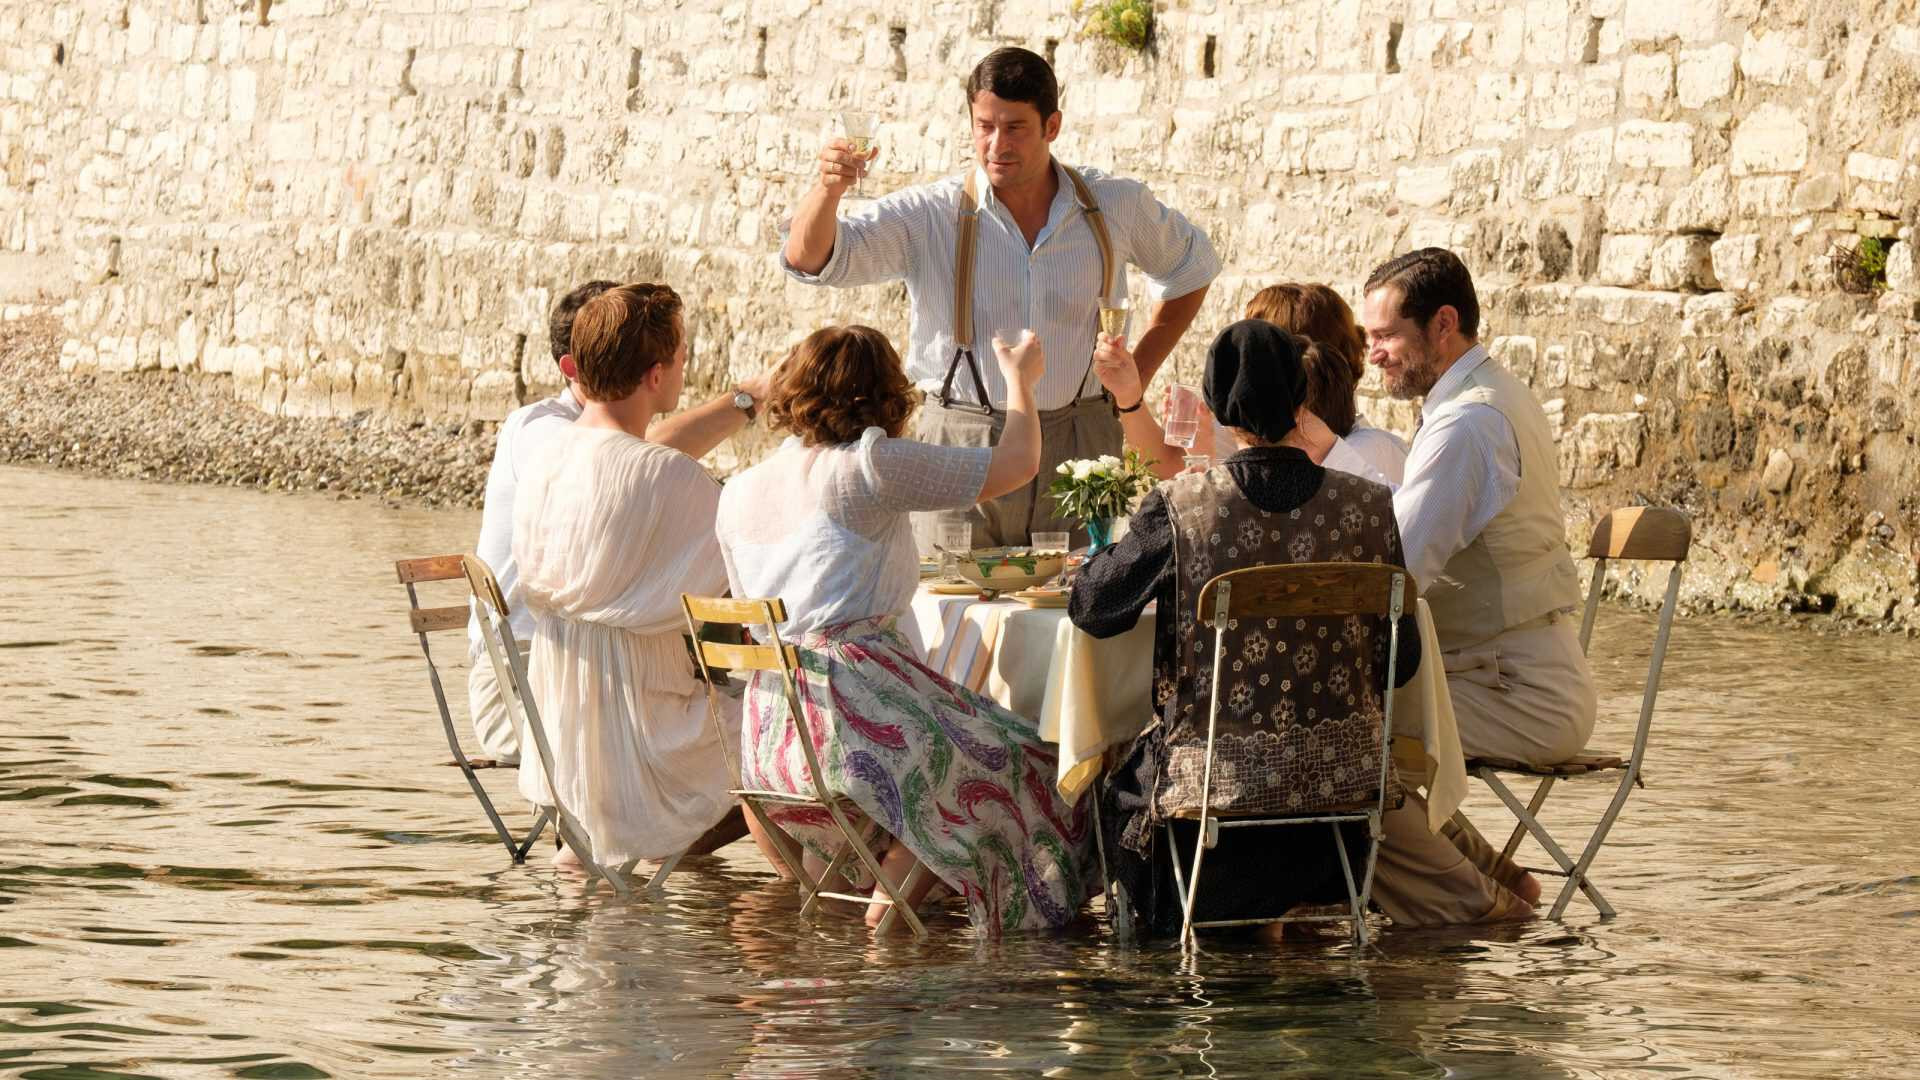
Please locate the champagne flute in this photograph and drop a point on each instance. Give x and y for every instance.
(1113, 315)
(860, 131)
(1183, 416)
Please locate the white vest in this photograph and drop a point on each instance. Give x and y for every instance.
(1518, 568)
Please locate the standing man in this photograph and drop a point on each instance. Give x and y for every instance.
(1486, 541)
(1020, 241)
(523, 434)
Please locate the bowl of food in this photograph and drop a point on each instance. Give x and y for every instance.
(1009, 569)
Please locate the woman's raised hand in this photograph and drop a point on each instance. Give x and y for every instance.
(1023, 361)
(1113, 365)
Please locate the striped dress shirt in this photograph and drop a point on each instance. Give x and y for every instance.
(1052, 289)
(1463, 470)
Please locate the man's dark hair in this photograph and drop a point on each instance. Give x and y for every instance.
(560, 323)
(1430, 279)
(1015, 74)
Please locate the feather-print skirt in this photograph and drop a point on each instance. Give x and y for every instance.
(965, 784)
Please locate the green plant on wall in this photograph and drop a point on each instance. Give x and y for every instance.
(1861, 268)
(1124, 22)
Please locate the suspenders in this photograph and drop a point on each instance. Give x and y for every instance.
(963, 255)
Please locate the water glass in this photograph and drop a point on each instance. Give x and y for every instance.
(1183, 416)
(954, 541)
(1053, 541)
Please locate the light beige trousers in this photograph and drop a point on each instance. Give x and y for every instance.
(495, 732)
(1526, 695)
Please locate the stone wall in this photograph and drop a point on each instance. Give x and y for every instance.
(368, 205)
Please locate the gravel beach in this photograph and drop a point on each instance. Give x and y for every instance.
(169, 426)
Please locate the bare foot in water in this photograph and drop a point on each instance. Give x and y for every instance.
(1528, 889)
(565, 859)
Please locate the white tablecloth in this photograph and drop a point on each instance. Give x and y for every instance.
(1088, 695)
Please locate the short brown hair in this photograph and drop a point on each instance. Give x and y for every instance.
(1337, 361)
(839, 382)
(1430, 279)
(1317, 312)
(1019, 75)
(621, 335)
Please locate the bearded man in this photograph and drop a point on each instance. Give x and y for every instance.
(1485, 539)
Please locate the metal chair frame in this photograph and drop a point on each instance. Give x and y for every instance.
(509, 667)
(1640, 534)
(779, 656)
(424, 621)
(1294, 591)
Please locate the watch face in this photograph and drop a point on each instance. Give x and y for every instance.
(742, 400)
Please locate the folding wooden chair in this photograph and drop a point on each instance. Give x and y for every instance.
(426, 621)
(853, 825)
(509, 666)
(1299, 590)
(1641, 533)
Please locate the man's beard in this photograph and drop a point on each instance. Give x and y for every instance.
(1417, 375)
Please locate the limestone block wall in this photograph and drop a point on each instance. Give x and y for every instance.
(358, 206)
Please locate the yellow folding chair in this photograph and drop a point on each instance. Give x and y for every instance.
(424, 621)
(1299, 590)
(1639, 533)
(853, 825)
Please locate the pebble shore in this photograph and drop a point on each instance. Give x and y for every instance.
(169, 426)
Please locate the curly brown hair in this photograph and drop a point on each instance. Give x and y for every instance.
(620, 335)
(1336, 366)
(839, 382)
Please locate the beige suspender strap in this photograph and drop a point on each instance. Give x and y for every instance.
(963, 264)
(1095, 218)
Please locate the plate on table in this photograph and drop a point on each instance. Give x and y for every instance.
(1042, 598)
(952, 588)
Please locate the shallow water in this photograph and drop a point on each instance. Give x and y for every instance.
(227, 848)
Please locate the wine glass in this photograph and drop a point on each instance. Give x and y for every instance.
(955, 540)
(1113, 316)
(860, 132)
(1183, 416)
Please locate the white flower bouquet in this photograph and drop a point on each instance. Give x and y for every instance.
(1102, 488)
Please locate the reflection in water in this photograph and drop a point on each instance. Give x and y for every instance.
(227, 848)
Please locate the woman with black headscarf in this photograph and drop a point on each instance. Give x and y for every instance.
(1312, 684)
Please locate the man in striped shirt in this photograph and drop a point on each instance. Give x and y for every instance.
(1047, 243)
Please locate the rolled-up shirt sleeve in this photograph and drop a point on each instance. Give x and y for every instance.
(873, 244)
(1173, 253)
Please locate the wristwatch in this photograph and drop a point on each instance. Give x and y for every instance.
(744, 402)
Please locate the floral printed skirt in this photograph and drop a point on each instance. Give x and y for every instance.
(966, 785)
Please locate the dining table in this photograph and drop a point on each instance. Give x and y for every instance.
(1091, 696)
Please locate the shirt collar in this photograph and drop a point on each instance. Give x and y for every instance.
(1064, 199)
(1449, 384)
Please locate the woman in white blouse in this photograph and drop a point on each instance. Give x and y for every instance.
(961, 785)
(1315, 312)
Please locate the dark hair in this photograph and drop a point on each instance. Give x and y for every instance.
(621, 335)
(560, 323)
(1015, 74)
(1430, 279)
(838, 383)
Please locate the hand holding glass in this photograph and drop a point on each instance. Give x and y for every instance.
(860, 129)
(1183, 416)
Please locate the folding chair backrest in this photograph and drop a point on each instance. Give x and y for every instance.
(427, 620)
(509, 670)
(1303, 590)
(776, 655)
(1640, 534)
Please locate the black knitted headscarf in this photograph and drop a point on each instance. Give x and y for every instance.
(1255, 380)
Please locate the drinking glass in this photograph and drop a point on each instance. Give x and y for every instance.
(954, 541)
(1052, 541)
(1198, 462)
(860, 131)
(1113, 316)
(1183, 416)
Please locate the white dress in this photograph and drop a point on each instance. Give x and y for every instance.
(608, 531)
(1381, 448)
